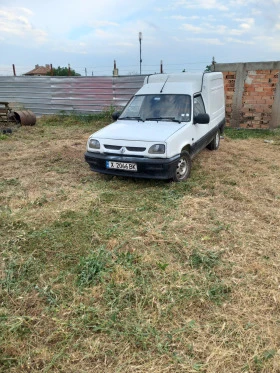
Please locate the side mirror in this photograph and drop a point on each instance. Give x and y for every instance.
(116, 115)
(201, 118)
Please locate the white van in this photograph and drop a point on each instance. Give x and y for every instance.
(169, 120)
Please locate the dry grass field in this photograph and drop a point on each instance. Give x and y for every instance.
(127, 275)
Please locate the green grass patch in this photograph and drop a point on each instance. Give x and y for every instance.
(74, 118)
(204, 259)
(91, 268)
(243, 134)
(4, 136)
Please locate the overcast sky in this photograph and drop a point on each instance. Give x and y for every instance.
(91, 34)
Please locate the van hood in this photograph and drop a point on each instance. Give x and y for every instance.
(138, 130)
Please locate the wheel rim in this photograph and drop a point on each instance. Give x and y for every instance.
(182, 168)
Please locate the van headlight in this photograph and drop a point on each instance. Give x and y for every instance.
(157, 149)
(94, 144)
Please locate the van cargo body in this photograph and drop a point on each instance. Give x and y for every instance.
(168, 121)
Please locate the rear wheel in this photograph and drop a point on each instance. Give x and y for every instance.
(183, 168)
(215, 143)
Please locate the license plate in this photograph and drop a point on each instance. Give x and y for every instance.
(121, 166)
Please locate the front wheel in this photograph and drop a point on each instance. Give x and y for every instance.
(215, 143)
(183, 168)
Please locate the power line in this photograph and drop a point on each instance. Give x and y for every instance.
(107, 69)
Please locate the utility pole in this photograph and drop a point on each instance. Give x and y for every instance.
(140, 41)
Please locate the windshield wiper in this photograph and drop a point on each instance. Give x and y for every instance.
(127, 118)
(173, 119)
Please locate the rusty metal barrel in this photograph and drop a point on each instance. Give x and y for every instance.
(25, 117)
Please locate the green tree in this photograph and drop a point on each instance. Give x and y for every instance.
(63, 71)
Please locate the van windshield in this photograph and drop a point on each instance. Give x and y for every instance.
(163, 107)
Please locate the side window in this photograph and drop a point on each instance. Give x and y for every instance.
(198, 106)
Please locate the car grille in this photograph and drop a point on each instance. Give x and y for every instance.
(129, 148)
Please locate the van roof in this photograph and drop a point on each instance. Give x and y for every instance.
(183, 83)
(179, 78)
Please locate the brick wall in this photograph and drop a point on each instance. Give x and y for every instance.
(258, 97)
(252, 94)
(229, 82)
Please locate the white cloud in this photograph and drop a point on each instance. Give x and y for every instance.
(197, 41)
(202, 4)
(206, 28)
(239, 41)
(211, 41)
(104, 24)
(25, 10)
(124, 44)
(240, 3)
(179, 18)
(219, 29)
(236, 32)
(189, 27)
(245, 26)
(13, 24)
(270, 42)
(245, 23)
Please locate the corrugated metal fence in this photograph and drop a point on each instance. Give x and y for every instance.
(50, 95)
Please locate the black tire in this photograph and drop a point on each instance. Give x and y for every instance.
(215, 143)
(183, 168)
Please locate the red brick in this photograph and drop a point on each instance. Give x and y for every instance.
(243, 125)
(269, 101)
(250, 89)
(251, 101)
(268, 90)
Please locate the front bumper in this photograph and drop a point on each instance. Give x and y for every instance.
(150, 168)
